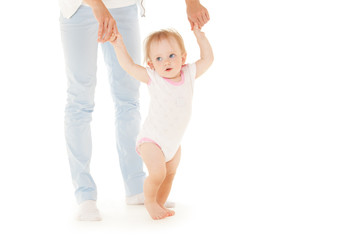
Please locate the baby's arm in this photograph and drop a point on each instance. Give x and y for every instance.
(126, 62)
(206, 53)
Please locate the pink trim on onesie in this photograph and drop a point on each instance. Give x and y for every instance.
(176, 83)
(172, 82)
(144, 140)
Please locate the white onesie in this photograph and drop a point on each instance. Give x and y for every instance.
(169, 111)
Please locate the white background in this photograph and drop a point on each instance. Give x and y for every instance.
(272, 150)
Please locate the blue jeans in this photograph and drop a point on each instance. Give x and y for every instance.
(79, 39)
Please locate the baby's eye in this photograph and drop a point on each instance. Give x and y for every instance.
(172, 55)
(159, 59)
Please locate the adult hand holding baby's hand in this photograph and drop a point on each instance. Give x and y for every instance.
(198, 33)
(197, 14)
(113, 38)
(116, 39)
(107, 24)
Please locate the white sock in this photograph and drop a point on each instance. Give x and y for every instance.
(88, 211)
(139, 199)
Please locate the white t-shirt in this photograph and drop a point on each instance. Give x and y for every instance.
(69, 7)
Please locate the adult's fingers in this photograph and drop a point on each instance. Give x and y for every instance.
(203, 18)
(115, 29)
(191, 23)
(109, 30)
(100, 31)
(104, 30)
(206, 17)
(200, 21)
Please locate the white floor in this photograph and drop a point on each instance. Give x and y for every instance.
(259, 214)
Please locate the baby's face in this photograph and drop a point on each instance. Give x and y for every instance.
(166, 58)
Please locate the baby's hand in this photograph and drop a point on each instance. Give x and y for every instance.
(197, 31)
(112, 38)
(115, 38)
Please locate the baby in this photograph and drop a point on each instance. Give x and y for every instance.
(170, 83)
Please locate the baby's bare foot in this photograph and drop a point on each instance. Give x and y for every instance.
(170, 212)
(156, 211)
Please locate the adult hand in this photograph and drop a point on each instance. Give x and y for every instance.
(197, 13)
(107, 24)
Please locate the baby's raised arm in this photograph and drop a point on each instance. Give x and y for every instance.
(126, 62)
(206, 53)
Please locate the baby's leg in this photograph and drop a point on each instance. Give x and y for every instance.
(165, 187)
(155, 162)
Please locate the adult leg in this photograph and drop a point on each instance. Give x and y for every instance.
(79, 39)
(155, 162)
(125, 94)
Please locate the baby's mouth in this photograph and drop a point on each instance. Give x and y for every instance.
(168, 69)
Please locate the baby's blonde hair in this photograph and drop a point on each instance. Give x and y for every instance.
(160, 35)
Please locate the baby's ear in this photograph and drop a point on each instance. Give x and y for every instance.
(183, 58)
(151, 65)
